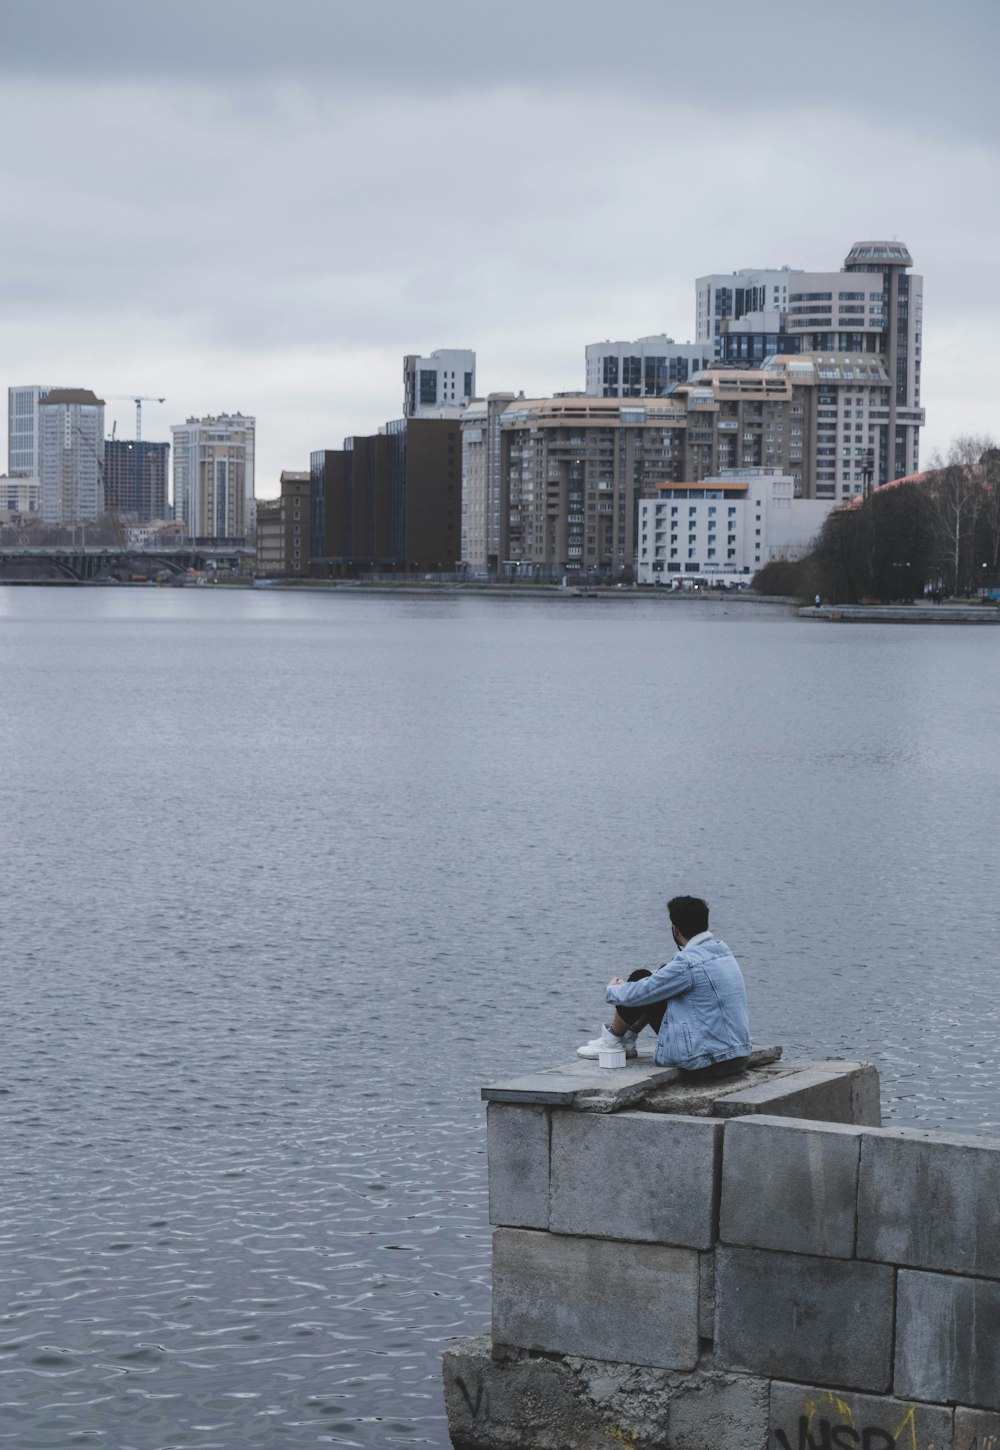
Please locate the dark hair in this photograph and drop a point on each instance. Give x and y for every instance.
(689, 915)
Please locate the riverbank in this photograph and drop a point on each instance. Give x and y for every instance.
(903, 613)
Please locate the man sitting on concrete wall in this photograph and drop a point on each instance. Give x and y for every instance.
(696, 1003)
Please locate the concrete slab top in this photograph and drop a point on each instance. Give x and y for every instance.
(586, 1086)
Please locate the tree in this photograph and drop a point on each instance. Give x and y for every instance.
(990, 465)
(956, 488)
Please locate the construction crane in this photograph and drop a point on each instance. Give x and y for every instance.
(132, 398)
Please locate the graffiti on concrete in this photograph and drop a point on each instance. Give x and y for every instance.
(828, 1423)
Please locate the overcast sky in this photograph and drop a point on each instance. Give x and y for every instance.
(262, 206)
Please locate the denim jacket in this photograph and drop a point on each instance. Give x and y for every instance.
(706, 1021)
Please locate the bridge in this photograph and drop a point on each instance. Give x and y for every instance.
(96, 563)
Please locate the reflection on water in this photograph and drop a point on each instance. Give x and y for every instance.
(287, 878)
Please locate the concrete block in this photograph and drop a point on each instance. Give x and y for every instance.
(620, 1301)
(719, 1412)
(834, 1093)
(823, 1321)
(866, 1097)
(976, 1430)
(804, 1417)
(790, 1185)
(948, 1339)
(517, 1155)
(516, 1401)
(581, 1084)
(643, 1176)
(931, 1201)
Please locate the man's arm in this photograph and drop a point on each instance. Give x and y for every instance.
(670, 980)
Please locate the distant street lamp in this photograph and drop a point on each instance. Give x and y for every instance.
(984, 581)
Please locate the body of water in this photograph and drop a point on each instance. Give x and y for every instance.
(288, 876)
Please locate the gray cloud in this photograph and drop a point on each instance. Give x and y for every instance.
(921, 62)
(263, 207)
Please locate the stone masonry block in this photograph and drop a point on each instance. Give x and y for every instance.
(976, 1430)
(948, 1339)
(706, 1295)
(637, 1303)
(646, 1176)
(517, 1153)
(790, 1185)
(824, 1321)
(803, 1417)
(831, 1093)
(931, 1201)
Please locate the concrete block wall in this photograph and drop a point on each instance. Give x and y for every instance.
(836, 1284)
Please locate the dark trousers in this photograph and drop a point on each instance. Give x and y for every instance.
(652, 1015)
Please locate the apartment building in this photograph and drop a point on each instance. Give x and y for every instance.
(71, 455)
(444, 381)
(846, 419)
(872, 306)
(283, 528)
(481, 485)
(722, 530)
(214, 475)
(22, 429)
(722, 299)
(825, 426)
(645, 368)
(571, 470)
(742, 419)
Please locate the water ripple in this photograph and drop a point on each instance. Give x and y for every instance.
(295, 876)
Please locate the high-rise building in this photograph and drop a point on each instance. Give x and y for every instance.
(873, 305)
(571, 470)
(214, 475)
(22, 429)
(71, 455)
(135, 478)
(726, 297)
(645, 368)
(390, 501)
(444, 381)
(481, 485)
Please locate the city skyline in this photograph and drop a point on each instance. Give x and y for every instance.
(269, 211)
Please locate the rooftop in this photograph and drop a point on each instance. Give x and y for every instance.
(893, 252)
(82, 397)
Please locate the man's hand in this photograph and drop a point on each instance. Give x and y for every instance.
(617, 982)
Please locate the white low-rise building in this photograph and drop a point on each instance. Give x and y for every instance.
(723, 529)
(19, 497)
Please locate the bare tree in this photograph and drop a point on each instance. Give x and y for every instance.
(957, 489)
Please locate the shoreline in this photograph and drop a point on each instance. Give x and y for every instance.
(903, 613)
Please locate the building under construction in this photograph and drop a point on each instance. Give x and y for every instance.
(135, 479)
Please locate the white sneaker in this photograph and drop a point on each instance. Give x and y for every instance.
(608, 1040)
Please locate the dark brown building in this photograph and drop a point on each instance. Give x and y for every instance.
(390, 502)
